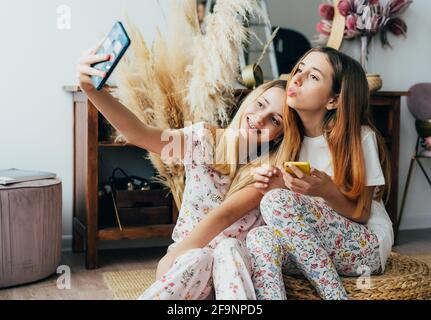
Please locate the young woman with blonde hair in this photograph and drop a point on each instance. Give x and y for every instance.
(333, 221)
(220, 204)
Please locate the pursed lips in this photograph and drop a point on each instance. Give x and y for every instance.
(291, 92)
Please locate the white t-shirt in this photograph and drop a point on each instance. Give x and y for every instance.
(316, 151)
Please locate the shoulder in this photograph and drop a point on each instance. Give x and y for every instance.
(369, 136)
(367, 133)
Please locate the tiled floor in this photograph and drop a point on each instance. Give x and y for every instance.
(88, 284)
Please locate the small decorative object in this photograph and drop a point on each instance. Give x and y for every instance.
(252, 76)
(364, 19)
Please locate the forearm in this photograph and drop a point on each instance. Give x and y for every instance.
(205, 231)
(343, 205)
(217, 220)
(350, 209)
(127, 123)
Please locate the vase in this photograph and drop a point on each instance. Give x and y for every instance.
(375, 82)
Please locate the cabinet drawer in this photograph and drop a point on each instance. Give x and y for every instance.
(140, 198)
(144, 216)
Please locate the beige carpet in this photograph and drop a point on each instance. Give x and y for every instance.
(129, 285)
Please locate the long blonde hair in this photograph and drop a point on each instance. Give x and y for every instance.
(228, 145)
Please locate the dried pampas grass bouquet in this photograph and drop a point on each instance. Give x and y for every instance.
(186, 76)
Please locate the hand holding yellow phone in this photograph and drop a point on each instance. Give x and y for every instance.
(303, 166)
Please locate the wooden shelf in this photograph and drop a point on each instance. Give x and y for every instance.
(133, 233)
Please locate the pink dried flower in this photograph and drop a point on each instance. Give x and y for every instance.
(397, 7)
(390, 20)
(351, 22)
(376, 21)
(326, 11)
(351, 34)
(397, 26)
(345, 7)
(324, 27)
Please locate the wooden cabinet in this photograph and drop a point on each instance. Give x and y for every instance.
(87, 231)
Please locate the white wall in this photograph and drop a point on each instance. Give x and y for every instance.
(37, 59)
(300, 15)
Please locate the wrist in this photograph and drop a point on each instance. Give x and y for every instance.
(330, 194)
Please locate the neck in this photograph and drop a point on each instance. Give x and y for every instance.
(312, 122)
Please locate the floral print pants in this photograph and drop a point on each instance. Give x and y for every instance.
(202, 273)
(304, 235)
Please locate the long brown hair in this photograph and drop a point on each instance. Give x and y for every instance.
(342, 127)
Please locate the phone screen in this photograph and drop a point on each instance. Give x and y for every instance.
(115, 44)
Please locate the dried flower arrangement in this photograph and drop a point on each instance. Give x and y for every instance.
(364, 19)
(187, 76)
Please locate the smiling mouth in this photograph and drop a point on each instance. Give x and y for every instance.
(252, 126)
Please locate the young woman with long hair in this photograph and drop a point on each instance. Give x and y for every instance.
(333, 221)
(220, 204)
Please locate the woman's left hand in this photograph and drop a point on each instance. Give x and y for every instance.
(318, 184)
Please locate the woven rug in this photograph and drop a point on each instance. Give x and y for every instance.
(129, 285)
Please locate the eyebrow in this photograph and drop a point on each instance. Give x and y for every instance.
(269, 104)
(314, 68)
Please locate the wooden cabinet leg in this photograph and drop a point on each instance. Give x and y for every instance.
(91, 255)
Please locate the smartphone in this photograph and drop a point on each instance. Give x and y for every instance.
(116, 43)
(303, 166)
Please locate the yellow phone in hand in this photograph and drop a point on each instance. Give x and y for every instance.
(303, 166)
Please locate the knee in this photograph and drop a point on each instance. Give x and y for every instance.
(227, 245)
(275, 203)
(260, 238)
(194, 257)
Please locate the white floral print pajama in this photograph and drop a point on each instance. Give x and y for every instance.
(223, 273)
(223, 267)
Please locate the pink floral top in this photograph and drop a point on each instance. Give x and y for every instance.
(205, 189)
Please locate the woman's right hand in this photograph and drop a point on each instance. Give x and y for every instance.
(84, 69)
(267, 178)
